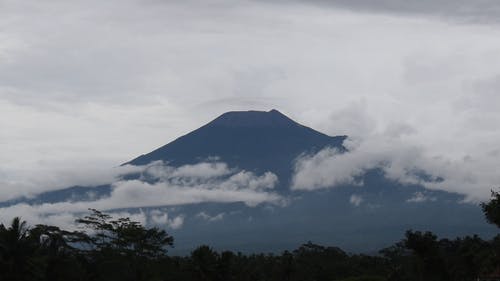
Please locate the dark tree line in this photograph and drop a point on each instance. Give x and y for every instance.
(121, 249)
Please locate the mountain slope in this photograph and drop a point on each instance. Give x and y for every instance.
(255, 141)
(269, 141)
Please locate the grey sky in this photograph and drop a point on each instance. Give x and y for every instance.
(88, 85)
(480, 11)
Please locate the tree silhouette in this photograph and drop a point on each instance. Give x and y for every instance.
(112, 249)
(426, 247)
(59, 258)
(120, 249)
(17, 248)
(123, 236)
(204, 263)
(491, 209)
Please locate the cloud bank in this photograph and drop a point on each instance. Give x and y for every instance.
(400, 161)
(168, 186)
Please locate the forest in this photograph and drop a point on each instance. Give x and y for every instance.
(120, 249)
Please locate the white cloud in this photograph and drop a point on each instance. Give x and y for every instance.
(325, 169)
(31, 181)
(176, 223)
(355, 200)
(161, 218)
(203, 170)
(239, 186)
(210, 218)
(208, 175)
(419, 197)
(135, 193)
(403, 160)
(248, 179)
(200, 171)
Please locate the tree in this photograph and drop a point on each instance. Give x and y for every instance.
(123, 236)
(60, 260)
(17, 249)
(204, 263)
(119, 249)
(491, 209)
(425, 246)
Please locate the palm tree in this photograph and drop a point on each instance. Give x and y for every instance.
(17, 248)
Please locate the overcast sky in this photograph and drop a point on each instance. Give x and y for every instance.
(87, 85)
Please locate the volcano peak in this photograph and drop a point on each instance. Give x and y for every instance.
(253, 118)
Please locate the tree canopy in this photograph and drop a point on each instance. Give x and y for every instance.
(107, 248)
(491, 208)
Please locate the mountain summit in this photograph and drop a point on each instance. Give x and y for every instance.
(256, 141)
(252, 119)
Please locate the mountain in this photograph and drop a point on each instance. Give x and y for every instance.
(361, 218)
(251, 140)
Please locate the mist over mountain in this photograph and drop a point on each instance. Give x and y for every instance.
(229, 182)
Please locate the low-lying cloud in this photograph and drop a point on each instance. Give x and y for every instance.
(401, 161)
(189, 184)
(31, 181)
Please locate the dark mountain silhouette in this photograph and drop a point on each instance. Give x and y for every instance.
(259, 142)
(255, 141)
(270, 141)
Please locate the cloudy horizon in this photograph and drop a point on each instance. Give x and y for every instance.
(86, 86)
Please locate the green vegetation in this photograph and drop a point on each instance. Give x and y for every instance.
(108, 249)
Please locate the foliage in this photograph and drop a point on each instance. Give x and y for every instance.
(17, 249)
(120, 249)
(491, 209)
(122, 236)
